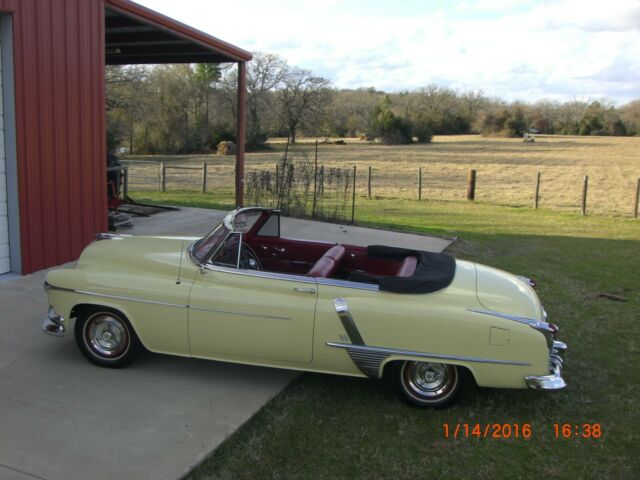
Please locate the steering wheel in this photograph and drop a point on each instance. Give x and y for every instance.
(248, 258)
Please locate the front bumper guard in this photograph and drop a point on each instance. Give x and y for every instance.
(554, 380)
(53, 324)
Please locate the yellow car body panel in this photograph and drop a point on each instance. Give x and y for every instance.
(179, 307)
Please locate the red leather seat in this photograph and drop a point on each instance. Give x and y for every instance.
(408, 267)
(328, 263)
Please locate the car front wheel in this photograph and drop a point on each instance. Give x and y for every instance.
(105, 337)
(427, 384)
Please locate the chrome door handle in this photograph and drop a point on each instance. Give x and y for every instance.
(281, 250)
(305, 290)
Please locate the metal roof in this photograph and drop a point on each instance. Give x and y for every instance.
(138, 35)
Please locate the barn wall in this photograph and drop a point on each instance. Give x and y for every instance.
(60, 126)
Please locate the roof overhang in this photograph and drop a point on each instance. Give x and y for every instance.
(137, 35)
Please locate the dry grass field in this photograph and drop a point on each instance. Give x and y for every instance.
(506, 169)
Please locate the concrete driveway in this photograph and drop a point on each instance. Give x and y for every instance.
(63, 418)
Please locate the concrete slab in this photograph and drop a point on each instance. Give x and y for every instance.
(63, 418)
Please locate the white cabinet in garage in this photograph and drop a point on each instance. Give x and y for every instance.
(5, 265)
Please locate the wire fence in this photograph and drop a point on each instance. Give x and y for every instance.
(299, 188)
(294, 181)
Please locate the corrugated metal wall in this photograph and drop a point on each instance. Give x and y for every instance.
(60, 126)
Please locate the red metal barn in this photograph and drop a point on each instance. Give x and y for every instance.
(53, 196)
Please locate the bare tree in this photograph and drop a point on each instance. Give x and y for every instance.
(265, 73)
(303, 100)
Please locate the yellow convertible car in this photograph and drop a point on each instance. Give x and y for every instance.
(245, 294)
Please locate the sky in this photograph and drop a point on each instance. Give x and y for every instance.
(516, 50)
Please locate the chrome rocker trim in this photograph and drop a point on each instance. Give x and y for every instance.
(368, 358)
(53, 324)
(554, 381)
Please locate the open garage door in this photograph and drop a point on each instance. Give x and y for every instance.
(5, 264)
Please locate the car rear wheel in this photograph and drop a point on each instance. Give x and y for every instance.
(427, 384)
(105, 337)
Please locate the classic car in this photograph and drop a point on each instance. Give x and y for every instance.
(243, 293)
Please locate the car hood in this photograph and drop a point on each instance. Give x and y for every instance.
(162, 255)
(506, 293)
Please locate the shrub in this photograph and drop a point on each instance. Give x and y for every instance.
(221, 132)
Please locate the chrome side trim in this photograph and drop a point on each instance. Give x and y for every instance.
(258, 273)
(545, 328)
(346, 284)
(368, 359)
(48, 286)
(243, 314)
(290, 277)
(342, 309)
(515, 318)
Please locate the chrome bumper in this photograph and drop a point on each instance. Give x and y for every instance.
(53, 324)
(554, 381)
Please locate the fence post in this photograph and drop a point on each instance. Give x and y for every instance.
(419, 183)
(537, 199)
(635, 200)
(163, 177)
(353, 197)
(369, 184)
(315, 182)
(204, 177)
(585, 188)
(471, 186)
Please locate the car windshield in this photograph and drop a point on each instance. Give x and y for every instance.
(209, 242)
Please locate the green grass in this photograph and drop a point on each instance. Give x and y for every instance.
(326, 426)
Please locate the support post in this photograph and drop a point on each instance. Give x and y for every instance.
(353, 197)
(635, 201)
(369, 184)
(204, 177)
(163, 177)
(585, 189)
(126, 183)
(240, 132)
(471, 186)
(537, 196)
(419, 183)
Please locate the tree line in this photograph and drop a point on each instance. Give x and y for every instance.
(182, 108)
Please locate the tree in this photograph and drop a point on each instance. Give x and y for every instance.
(125, 111)
(303, 100)
(265, 73)
(516, 124)
(206, 75)
(388, 127)
(592, 122)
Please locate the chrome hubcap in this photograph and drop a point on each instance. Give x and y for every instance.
(106, 336)
(429, 380)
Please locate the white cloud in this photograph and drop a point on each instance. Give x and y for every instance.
(509, 48)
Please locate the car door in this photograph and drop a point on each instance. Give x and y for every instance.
(252, 315)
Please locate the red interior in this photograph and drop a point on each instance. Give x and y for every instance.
(321, 259)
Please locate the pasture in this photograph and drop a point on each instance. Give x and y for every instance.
(506, 169)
